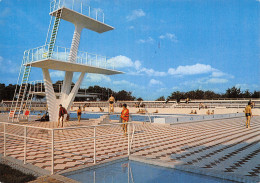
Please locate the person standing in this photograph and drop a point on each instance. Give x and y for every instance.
(248, 113)
(79, 114)
(125, 117)
(111, 101)
(62, 112)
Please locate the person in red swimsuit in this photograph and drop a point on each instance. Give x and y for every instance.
(125, 117)
(62, 111)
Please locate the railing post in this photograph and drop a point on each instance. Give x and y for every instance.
(52, 152)
(94, 145)
(97, 61)
(128, 133)
(81, 7)
(25, 144)
(4, 140)
(57, 53)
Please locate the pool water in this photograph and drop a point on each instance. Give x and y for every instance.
(139, 117)
(112, 117)
(136, 172)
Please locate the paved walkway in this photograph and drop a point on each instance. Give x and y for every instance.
(224, 145)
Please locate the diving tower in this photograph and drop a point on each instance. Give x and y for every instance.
(59, 58)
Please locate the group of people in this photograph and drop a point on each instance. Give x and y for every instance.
(125, 113)
(124, 117)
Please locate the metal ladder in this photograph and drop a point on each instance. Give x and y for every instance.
(20, 97)
(30, 95)
(54, 33)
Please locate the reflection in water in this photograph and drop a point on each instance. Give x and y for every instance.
(135, 172)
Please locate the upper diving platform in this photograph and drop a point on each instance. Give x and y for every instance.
(80, 14)
(85, 62)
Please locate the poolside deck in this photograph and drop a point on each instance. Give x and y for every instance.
(224, 146)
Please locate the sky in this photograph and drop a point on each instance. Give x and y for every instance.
(162, 46)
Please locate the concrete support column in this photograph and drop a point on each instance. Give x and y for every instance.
(66, 87)
(68, 102)
(75, 43)
(52, 102)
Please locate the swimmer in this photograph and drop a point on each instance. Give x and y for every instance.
(248, 114)
(111, 101)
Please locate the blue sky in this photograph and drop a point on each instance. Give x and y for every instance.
(161, 45)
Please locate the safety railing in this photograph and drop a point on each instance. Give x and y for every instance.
(80, 6)
(31, 139)
(62, 54)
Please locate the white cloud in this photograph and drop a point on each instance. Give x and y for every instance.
(155, 82)
(137, 64)
(151, 72)
(217, 80)
(191, 69)
(148, 40)
(121, 61)
(96, 78)
(217, 74)
(135, 14)
(169, 36)
(57, 74)
(124, 83)
(244, 86)
(125, 62)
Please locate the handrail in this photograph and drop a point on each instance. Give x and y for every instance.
(7, 123)
(92, 126)
(79, 6)
(31, 138)
(62, 54)
(52, 141)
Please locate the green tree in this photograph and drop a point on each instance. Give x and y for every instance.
(233, 92)
(139, 99)
(124, 95)
(256, 94)
(247, 94)
(177, 95)
(161, 98)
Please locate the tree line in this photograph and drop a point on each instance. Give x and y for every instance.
(232, 93)
(7, 93)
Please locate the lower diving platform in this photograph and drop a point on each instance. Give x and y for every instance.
(85, 62)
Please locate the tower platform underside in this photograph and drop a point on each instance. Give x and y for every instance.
(83, 20)
(72, 67)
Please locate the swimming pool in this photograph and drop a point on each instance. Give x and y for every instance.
(136, 172)
(135, 117)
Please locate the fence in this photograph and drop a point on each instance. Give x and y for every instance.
(34, 145)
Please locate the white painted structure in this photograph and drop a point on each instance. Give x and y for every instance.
(71, 63)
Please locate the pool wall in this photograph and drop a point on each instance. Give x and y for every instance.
(194, 169)
(90, 167)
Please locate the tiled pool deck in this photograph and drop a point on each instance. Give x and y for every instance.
(222, 147)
